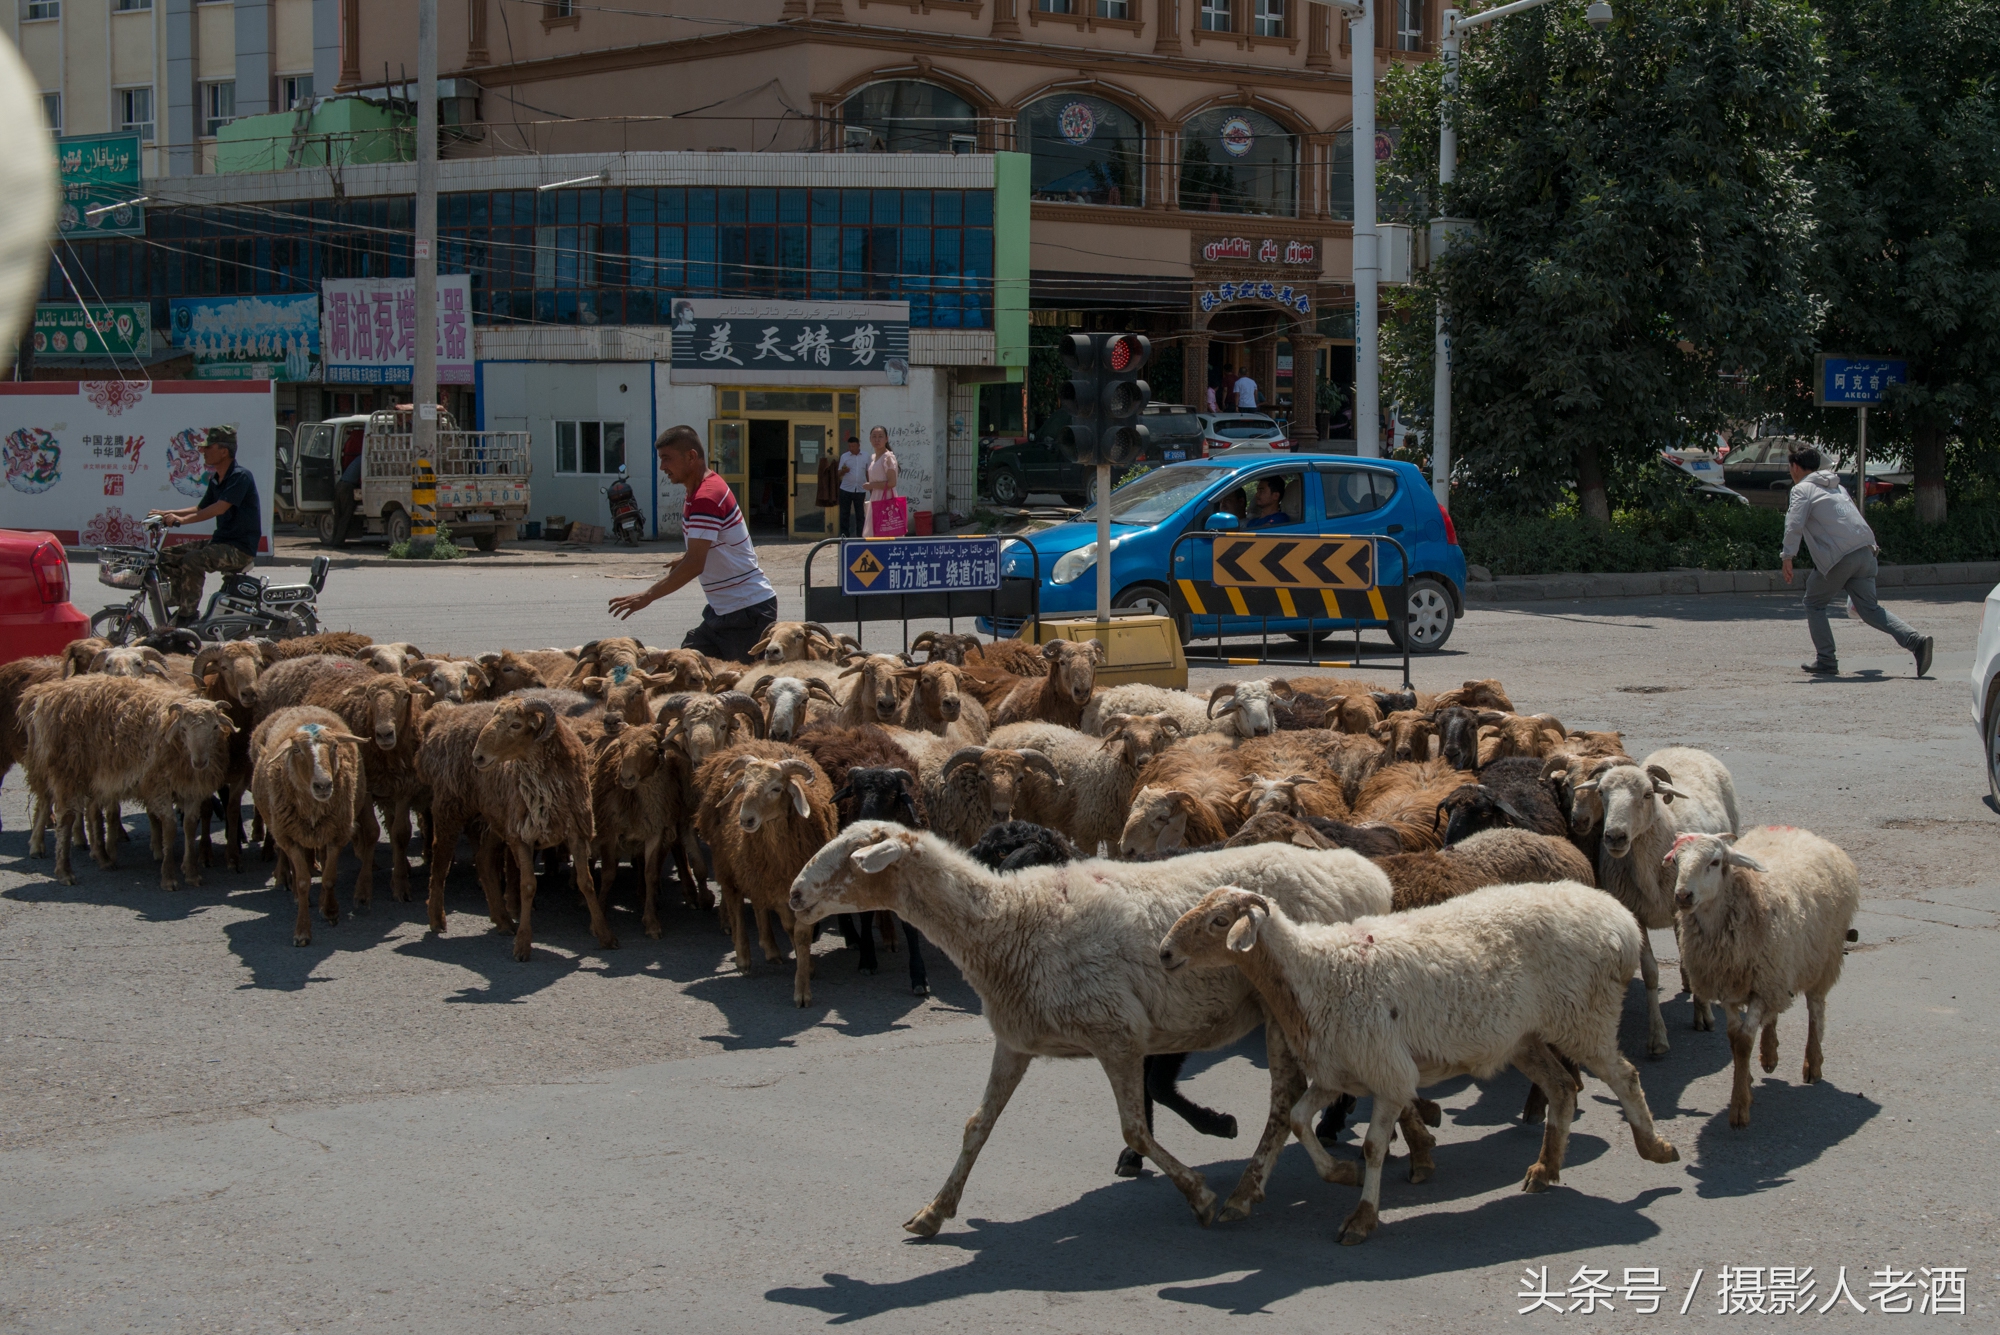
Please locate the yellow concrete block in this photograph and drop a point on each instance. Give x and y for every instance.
(1136, 648)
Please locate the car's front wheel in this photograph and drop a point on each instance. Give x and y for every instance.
(1151, 599)
(1432, 617)
(1007, 487)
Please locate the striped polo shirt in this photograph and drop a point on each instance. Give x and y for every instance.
(731, 578)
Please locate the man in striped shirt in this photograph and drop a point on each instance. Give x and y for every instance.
(741, 602)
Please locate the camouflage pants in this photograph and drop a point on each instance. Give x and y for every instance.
(188, 564)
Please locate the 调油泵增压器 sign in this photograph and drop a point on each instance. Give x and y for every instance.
(100, 175)
(761, 342)
(66, 329)
(368, 330)
(249, 338)
(919, 565)
(1855, 382)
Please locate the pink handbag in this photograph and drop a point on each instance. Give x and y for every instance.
(889, 517)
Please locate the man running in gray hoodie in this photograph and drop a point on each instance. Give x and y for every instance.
(1843, 553)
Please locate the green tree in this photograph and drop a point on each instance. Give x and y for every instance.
(1906, 177)
(1644, 231)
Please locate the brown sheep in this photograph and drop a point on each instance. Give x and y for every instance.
(837, 750)
(599, 657)
(792, 704)
(765, 810)
(229, 673)
(388, 712)
(1405, 797)
(1495, 857)
(1017, 657)
(15, 679)
(1594, 745)
(508, 672)
(796, 642)
(1343, 713)
(1482, 694)
(685, 669)
(636, 805)
(344, 643)
(517, 766)
(1295, 795)
(308, 784)
(946, 647)
(392, 658)
(1407, 733)
(877, 694)
(1503, 736)
(553, 665)
(938, 704)
(1168, 818)
(696, 727)
(1059, 697)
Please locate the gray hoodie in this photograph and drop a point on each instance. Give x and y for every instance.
(1824, 515)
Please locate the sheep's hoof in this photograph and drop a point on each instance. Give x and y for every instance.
(867, 972)
(1421, 1171)
(1358, 1226)
(654, 930)
(1248, 1192)
(1344, 1173)
(235, 863)
(523, 952)
(1431, 1114)
(1659, 1151)
(1810, 1073)
(924, 1223)
(1703, 1021)
(67, 878)
(302, 938)
(1656, 1048)
(920, 989)
(1769, 1054)
(1130, 1164)
(1540, 1178)
(1739, 1117)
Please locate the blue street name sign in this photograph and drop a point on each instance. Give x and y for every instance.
(1855, 382)
(919, 565)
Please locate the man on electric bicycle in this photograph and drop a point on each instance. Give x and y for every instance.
(231, 501)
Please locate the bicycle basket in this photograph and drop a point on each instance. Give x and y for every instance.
(121, 571)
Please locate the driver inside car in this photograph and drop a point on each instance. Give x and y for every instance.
(231, 501)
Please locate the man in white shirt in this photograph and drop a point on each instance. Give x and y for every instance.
(853, 465)
(1245, 390)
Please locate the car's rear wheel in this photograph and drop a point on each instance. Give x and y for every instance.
(1432, 617)
(1993, 748)
(1007, 487)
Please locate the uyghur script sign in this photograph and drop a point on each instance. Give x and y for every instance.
(1222, 294)
(368, 330)
(1279, 252)
(791, 342)
(100, 170)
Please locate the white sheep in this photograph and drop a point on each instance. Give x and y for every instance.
(1063, 961)
(1647, 805)
(1761, 922)
(1190, 712)
(1386, 1005)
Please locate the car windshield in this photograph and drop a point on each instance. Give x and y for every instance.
(1157, 495)
(1244, 428)
(1172, 424)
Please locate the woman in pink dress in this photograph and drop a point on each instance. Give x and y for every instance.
(883, 472)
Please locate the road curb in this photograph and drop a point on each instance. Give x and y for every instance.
(1653, 584)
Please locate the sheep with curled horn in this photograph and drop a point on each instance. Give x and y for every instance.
(792, 703)
(976, 786)
(939, 646)
(1251, 704)
(694, 726)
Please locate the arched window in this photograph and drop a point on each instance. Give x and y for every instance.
(1393, 199)
(909, 117)
(1234, 160)
(1086, 151)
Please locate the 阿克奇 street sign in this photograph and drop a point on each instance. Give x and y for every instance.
(919, 565)
(1841, 381)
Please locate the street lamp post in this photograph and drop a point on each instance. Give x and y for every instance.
(1367, 259)
(1455, 23)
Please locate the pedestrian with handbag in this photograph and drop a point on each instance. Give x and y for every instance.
(853, 465)
(888, 513)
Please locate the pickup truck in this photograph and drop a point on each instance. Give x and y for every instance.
(482, 477)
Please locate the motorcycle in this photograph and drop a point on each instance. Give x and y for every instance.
(627, 521)
(244, 607)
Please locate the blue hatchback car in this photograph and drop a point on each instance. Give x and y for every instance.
(1278, 495)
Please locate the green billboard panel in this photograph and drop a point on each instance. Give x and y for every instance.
(68, 329)
(100, 179)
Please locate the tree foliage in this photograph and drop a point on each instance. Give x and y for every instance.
(1644, 231)
(1906, 176)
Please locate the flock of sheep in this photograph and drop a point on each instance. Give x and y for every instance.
(1399, 887)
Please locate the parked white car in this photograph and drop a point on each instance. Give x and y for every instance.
(1986, 690)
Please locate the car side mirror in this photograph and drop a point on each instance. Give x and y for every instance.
(1222, 523)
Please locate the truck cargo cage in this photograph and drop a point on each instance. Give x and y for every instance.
(1303, 578)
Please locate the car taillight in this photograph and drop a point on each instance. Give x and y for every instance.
(51, 572)
(1450, 529)
(1212, 443)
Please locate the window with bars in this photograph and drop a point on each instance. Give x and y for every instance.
(1409, 24)
(1217, 16)
(590, 447)
(218, 106)
(135, 112)
(1270, 18)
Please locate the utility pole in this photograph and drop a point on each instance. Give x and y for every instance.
(1367, 262)
(423, 389)
(1441, 361)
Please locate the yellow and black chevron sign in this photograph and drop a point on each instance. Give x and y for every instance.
(1294, 563)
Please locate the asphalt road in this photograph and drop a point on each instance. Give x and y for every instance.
(203, 1128)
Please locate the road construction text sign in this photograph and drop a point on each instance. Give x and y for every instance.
(919, 565)
(1294, 563)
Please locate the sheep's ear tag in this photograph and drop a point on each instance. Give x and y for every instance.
(619, 673)
(875, 857)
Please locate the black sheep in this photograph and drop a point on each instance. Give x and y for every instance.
(1510, 793)
(884, 794)
(1012, 845)
(1458, 736)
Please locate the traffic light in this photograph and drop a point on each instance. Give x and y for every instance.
(1104, 397)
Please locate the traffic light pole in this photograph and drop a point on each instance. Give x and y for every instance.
(1104, 542)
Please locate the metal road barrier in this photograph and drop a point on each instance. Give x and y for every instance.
(1321, 579)
(906, 579)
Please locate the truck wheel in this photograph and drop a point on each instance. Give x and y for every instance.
(329, 535)
(396, 524)
(1007, 487)
(486, 542)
